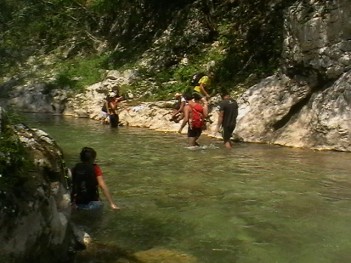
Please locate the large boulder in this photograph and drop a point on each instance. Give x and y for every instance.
(34, 198)
(307, 104)
(281, 111)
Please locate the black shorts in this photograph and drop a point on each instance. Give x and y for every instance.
(194, 132)
(227, 133)
(114, 119)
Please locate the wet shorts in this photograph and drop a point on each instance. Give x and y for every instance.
(194, 132)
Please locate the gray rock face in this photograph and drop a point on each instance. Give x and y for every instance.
(36, 98)
(281, 111)
(318, 39)
(308, 103)
(35, 213)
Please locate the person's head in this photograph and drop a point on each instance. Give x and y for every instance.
(178, 95)
(197, 96)
(187, 96)
(87, 155)
(225, 94)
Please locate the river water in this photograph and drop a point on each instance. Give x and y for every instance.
(255, 203)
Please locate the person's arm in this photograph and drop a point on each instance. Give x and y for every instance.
(106, 192)
(185, 119)
(203, 90)
(103, 186)
(107, 106)
(205, 109)
(220, 120)
(180, 110)
(182, 105)
(113, 106)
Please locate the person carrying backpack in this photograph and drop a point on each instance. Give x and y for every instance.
(87, 178)
(194, 115)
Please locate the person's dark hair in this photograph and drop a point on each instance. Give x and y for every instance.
(223, 94)
(187, 96)
(197, 96)
(87, 155)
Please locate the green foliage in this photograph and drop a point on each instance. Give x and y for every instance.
(77, 73)
(244, 38)
(12, 152)
(12, 159)
(14, 163)
(184, 73)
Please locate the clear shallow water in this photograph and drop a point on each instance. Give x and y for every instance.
(256, 203)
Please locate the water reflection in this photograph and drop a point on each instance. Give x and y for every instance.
(256, 203)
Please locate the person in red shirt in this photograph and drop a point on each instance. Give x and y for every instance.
(87, 178)
(195, 113)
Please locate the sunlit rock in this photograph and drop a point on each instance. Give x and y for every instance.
(308, 103)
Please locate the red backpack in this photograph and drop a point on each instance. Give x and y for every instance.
(197, 119)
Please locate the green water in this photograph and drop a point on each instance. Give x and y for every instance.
(256, 203)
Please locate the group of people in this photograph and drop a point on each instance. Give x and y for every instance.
(190, 105)
(193, 109)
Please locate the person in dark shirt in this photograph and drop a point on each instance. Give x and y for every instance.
(228, 112)
(87, 178)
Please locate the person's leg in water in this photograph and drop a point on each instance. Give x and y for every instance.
(227, 134)
(114, 120)
(193, 136)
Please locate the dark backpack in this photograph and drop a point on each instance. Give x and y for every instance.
(196, 78)
(84, 184)
(197, 119)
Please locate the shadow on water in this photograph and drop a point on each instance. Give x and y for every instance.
(256, 203)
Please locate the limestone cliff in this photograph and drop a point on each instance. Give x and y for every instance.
(307, 103)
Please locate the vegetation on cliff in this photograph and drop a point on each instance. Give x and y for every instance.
(14, 167)
(70, 43)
